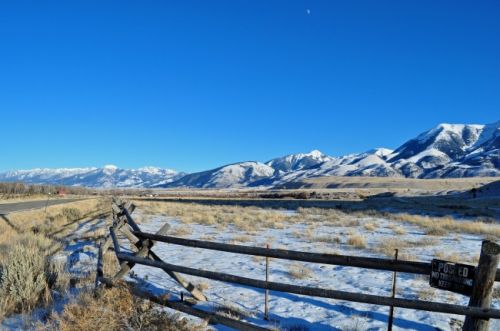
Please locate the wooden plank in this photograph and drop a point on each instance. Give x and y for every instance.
(144, 247)
(126, 266)
(482, 290)
(116, 244)
(320, 292)
(100, 265)
(333, 259)
(196, 293)
(131, 221)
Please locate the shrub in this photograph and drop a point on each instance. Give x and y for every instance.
(25, 276)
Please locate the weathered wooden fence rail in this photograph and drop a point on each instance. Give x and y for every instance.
(478, 312)
(413, 267)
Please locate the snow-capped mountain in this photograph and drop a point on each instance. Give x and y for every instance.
(232, 175)
(448, 150)
(299, 161)
(105, 177)
(451, 150)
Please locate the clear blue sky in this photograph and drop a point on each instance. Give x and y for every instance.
(192, 85)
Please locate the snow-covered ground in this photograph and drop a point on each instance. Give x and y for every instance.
(290, 311)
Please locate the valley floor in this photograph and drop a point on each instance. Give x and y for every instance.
(294, 312)
(361, 233)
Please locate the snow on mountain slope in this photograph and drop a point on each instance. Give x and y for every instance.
(232, 175)
(106, 177)
(370, 163)
(298, 161)
(448, 150)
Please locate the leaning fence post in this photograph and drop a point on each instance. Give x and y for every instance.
(484, 280)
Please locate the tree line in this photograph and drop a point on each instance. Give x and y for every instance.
(19, 188)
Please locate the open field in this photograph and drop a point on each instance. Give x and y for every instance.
(334, 188)
(392, 183)
(63, 240)
(456, 204)
(374, 234)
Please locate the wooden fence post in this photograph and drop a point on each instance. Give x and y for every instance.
(391, 310)
(483, 285)
(266, 299)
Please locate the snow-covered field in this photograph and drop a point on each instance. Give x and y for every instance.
(290, 311)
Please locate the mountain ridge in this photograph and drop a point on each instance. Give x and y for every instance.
(445, 151)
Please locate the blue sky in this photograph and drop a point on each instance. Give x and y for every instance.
(192, 85)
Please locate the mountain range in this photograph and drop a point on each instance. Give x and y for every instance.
(448, 150)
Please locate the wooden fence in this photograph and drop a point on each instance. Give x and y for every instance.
(477, 313)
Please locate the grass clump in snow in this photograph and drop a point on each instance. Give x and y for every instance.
(356, 240)
(299, 271)
(233, 311)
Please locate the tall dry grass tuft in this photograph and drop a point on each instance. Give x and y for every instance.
(356, 240)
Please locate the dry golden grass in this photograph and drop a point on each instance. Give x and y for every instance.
(399, 230)
(233, 311)
(446, 224)
(407, 256)
(299, 271)
(435, 231)
(258, 259)
(370, 226)
(331, 239)
(243, 218)
(60, 214)
(241, 238)
(26, 275)
(207, 237)
(452, 256)
(356, 240)
(426, 294)
(27, 239)
(115, 310)
(388, 246)
(306, 234)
